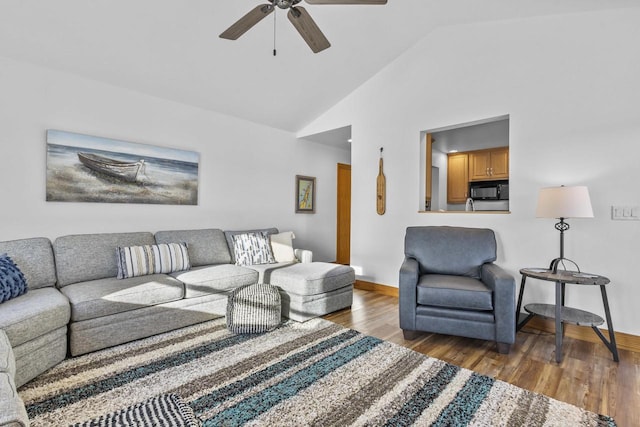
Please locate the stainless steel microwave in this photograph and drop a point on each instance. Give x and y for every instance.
(489, 190)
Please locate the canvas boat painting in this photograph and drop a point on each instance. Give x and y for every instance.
(127, 171)
(83, 168)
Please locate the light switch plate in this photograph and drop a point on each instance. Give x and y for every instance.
(625, 213)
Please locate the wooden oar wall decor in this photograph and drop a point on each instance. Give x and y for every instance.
(381, 189)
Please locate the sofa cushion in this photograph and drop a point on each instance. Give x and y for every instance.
(282, 246)
(201, 281)
(12, 281)
(311, 278)
(264, 270)
(33, 314)
(83, 257)
(206, 246)
(102, 297)
(136, 261)
(252, 248)
(34, 257)
(454, 292)
(230, 233)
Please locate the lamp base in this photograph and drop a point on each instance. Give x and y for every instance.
(553, 266)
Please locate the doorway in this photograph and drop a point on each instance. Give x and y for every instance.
(343, 226)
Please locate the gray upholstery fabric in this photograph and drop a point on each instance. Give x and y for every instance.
(454, 292)
(34, 257)
(459, 327)
(7, 361)
(82, 257)
(206, 246)
(449, 285)
(95, 334)
(407, 301)
(265, 270)
(304, 307)
(311, 278)
(102, 297)
(36, 356)
(450, 250)
(202, 281)
(229, 233)
(36, 322)
(12, 411)
(504, 295)
(452, 313)
(33, 314)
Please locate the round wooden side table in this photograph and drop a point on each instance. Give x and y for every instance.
(562, 314)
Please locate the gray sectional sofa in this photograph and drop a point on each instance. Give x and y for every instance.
(36, 322)
(75, 304)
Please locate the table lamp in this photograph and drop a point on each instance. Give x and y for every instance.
(562, 203)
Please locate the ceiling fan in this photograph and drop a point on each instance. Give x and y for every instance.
(298, 16)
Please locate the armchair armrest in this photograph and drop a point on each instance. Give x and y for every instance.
(303, 255)
(409, 273)
(503, 286)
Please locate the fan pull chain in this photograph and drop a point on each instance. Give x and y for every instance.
(274, 32)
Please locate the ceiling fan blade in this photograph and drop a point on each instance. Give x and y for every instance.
(346, 1)
(245, 23)
(308, 29)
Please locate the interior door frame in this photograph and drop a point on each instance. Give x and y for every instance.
(343, 214)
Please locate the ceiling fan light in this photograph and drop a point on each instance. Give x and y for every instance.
(298, 16)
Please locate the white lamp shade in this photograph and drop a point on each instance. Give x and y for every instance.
(564, 202)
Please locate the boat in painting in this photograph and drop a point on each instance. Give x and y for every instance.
(126, 171)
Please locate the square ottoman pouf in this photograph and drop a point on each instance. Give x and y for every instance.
(253, 309)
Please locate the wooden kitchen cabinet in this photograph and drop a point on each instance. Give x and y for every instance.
(457, 177)
(490, 164)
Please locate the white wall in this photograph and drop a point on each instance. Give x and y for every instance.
(247, 171)
(570, 85)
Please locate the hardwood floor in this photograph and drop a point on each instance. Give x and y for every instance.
(587, 377)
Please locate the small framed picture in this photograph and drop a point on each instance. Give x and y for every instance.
(305, 194)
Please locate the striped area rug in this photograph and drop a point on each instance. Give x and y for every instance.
(302, 374)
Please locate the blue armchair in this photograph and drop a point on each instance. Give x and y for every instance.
(449, 285)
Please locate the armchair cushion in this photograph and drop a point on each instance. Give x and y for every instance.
(454, 292)
(450, 250)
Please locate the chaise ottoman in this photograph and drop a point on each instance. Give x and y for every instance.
(313, 289)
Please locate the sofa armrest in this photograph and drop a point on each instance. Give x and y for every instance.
(304, 255)
(409, 273)
(503, 286)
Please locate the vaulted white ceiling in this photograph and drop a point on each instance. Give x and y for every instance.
(170, 48)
